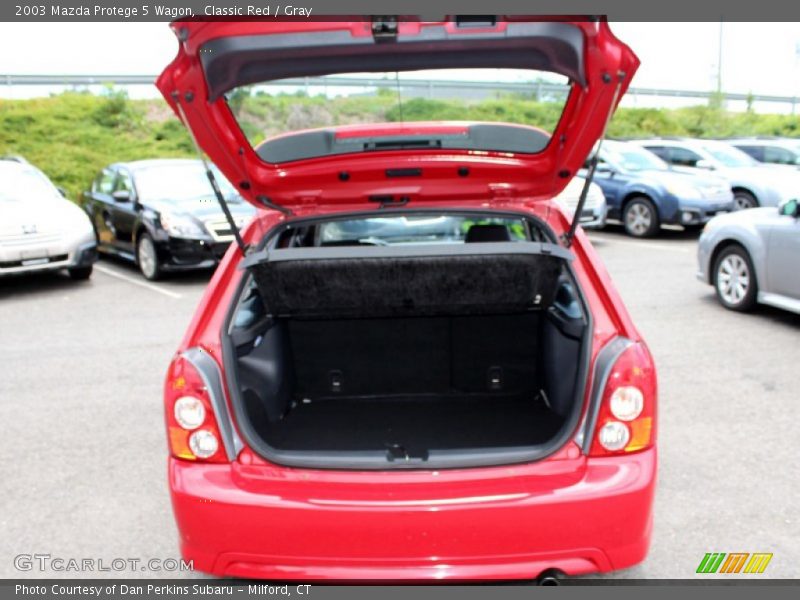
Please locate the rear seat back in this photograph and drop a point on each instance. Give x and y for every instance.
(395, 281)
(487, 233)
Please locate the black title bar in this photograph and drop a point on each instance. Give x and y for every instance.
(616, 10)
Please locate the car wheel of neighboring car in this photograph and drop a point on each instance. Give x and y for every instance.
(743, 199)
(735, 279)
(80, 273)
(640, 217)
(147, 257)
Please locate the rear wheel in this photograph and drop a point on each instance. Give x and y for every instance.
(80, 273)
(640, 217)
(147, 257)
(735, 279)
(743, 199)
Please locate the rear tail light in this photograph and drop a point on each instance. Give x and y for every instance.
(203, 443)
(189, 412)
(626, 403)
(192, 429)
(626, 421)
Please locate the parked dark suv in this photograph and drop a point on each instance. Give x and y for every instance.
(162, 214)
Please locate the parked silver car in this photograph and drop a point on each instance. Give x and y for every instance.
(753, 184)
(593, 215)
(753, 256)
(40, 229)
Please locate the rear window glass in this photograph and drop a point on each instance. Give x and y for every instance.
(775, 154)
(494, 98)
(386, 231)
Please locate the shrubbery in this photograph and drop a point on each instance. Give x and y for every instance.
(72, 135)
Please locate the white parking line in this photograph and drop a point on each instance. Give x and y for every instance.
(144, 284)
(640, 244)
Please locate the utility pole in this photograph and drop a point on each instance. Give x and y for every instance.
(719, 60)
(796, 63)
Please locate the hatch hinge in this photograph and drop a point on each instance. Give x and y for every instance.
(384, 28)
(270, 204)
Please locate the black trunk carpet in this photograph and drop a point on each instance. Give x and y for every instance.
(416, 423)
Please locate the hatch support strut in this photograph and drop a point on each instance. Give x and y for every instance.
(570, 235)
(211, 179)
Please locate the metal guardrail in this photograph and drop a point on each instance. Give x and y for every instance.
(77, 80)
(539, 89)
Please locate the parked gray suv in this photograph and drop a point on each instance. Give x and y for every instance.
(753, 184)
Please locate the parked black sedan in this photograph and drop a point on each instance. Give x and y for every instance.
(162, 214)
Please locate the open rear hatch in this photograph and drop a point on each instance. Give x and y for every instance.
(216, 57)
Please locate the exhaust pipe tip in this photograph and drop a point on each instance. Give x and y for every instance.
(550, 577)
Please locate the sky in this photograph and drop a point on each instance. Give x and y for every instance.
(758, 58)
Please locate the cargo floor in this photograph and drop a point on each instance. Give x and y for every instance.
(416, 423)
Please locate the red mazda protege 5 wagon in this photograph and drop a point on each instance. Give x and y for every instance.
(411, 366)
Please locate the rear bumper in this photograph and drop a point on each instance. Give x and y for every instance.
(578, 515)
(699, 212)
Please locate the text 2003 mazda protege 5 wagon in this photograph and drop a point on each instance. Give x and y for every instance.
(408, 368)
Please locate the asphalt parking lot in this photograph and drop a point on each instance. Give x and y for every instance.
(83, 468)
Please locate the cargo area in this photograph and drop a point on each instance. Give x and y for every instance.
(413, 356)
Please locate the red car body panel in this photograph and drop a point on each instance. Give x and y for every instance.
(607, 64)
(570, 511)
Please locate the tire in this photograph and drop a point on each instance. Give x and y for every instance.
(640, 217)
(80, 273)
(742, 200)
(735, 279)
(147, 258)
